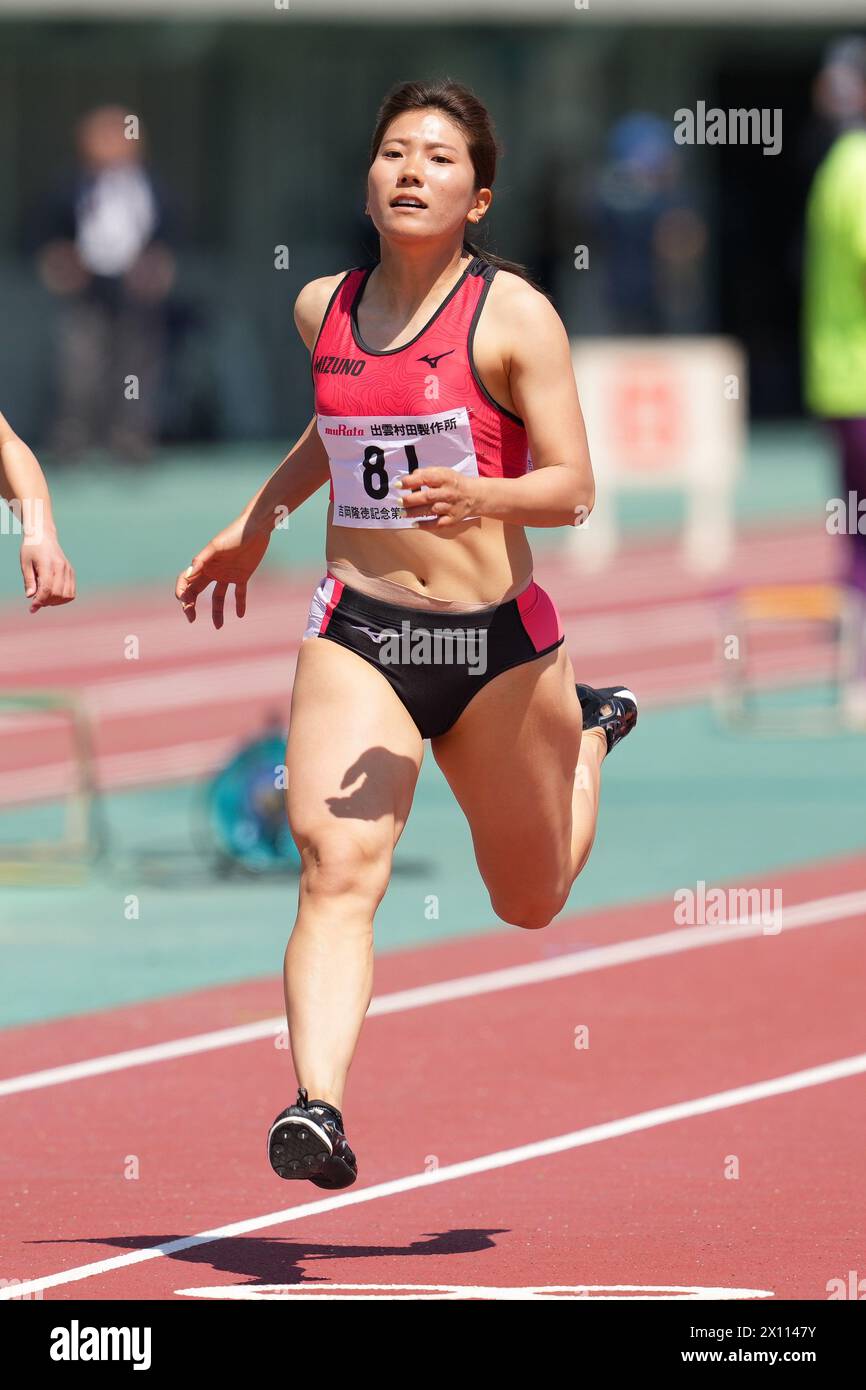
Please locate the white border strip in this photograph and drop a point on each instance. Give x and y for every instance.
(670, 943)
(487, 1163)
(496, 12)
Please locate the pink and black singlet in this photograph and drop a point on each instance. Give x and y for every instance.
(382, 414)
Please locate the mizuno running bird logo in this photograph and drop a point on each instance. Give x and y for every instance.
(435, 358)
(376, 637)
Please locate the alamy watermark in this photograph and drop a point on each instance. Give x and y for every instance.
(846, 518)
(23, 517)
(737, 126)
(729, 907)
(85, 1343)
(440, 647)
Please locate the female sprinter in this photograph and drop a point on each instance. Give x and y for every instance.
(435, 371)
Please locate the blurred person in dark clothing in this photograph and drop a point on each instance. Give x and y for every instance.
(103, 250)
(834, 311)
(653, 234)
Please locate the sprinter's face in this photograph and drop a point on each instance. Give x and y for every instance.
(421, 184)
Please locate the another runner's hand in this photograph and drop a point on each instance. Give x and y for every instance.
(49, 579)
(230, 558)
(451, 496)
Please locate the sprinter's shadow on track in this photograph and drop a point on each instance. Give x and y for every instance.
(283, 1261)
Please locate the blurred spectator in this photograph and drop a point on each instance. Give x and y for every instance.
(104, 250)
(834, 323)
(653, 234)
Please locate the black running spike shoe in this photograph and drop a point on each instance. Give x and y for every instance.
(613, 709)
(307, 1141)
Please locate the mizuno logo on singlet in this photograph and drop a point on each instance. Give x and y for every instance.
(434, 358)
(340, 366)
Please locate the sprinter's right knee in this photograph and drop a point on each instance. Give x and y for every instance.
(343, 864)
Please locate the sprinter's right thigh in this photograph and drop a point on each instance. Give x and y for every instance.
(353, 758)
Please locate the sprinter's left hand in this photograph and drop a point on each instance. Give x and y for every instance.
(451, 496)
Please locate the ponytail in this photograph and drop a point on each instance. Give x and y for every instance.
(513, 267)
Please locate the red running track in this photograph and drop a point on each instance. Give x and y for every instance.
(468, 1078)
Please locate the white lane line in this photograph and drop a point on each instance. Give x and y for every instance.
(487, 1163)
(344, 1293)
(806, 914)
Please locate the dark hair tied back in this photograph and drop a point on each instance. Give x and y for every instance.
(471, 116)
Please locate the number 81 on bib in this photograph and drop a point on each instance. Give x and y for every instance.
(368, 453)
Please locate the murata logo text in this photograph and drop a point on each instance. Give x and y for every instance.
(340, 366)
(76, 1343)
(343, 429)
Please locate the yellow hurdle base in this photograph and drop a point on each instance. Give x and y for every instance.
(32, 873)
(827, 605)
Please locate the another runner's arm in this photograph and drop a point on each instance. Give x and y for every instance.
(305, 468)
(49, 579)
(22, 481)
(560, 486)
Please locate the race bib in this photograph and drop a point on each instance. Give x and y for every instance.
(368, 452)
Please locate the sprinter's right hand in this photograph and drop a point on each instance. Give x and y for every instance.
(230, 558)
